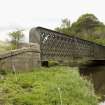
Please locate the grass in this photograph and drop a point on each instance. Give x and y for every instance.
(4, 47)
(47, 86)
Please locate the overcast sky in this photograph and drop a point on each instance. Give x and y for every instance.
(46, 13)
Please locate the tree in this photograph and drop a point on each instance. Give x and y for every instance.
(99, 32)
(65, 27)
(86, 24)
(87, 21)
(16, 37)
(87, 27)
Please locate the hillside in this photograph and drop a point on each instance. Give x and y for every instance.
(4, 46)
(47, 86)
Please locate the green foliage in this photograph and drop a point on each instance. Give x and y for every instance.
(16, 37)
(41, 88)
(86, 22)
(2, 72)
(4, 46)
(87, 27)
(53, 63)
(65, 27)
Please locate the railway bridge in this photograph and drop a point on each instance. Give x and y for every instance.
(61, 47)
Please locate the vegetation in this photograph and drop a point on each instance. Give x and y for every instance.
(47, 86)
(87, 27)
(16, 37)
(65, 27)
(4, 47)
(52, 86)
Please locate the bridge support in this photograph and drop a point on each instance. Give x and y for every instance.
(24, 59)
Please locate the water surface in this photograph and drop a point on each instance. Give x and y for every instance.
(97, 75)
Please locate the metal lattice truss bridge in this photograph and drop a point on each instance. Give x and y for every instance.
(59, 46)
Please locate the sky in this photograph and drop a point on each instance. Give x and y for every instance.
(25, 14)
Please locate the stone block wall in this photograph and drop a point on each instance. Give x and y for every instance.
(24, 59)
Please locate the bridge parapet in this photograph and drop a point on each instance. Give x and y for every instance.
(24, 59)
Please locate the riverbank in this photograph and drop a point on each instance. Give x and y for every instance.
(47, 86)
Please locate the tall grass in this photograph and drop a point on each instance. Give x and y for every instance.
(47, 86)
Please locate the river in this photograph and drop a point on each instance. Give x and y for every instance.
(97, 75)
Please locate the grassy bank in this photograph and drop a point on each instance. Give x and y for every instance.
(47, 86)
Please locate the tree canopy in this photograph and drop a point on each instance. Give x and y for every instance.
(16, 37)
(65, 27)
(87, 27)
